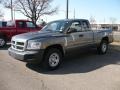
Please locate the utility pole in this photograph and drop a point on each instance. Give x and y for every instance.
(14, 13)
(74, 14)
(11, 10)
(67, 8)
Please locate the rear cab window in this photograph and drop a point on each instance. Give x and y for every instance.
(30, 25)
(21, 24)
(85, 25)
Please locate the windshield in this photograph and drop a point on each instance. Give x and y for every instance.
(56, 26)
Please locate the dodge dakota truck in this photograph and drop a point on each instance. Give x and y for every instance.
(49, 46)
(11, 28)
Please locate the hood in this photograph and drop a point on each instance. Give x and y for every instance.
(37, 35)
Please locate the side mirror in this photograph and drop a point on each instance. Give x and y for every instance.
(72, 30)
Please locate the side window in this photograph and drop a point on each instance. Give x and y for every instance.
(10, 24)
(0, 24)
(21, 24)
(85, 26)
(76, 25)
(30, 25)
(4, 24)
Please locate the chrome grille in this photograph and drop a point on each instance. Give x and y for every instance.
(20, 46)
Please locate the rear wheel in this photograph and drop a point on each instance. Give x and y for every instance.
(2, 42)
(103, 47)
(52, 59)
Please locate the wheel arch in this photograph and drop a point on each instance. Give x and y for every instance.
(57, 46)
(2, 35)
(106, 39)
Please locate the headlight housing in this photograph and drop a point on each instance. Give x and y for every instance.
(33, 45)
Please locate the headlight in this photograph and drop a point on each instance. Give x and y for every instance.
(33, 45)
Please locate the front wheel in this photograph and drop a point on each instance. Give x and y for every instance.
(103, 47)
(52, 59)
(2, 42)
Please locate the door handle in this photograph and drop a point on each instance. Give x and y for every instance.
(81, 35)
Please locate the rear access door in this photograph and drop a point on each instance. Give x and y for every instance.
(86, 35)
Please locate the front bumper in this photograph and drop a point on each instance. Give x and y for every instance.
(27, 56)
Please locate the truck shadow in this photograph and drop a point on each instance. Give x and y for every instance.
(5, 48)
(81, 62)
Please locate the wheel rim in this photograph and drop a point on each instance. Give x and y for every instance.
(104, 47)
(54, 59)
(2, 42)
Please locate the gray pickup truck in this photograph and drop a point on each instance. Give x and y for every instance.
(49, 45)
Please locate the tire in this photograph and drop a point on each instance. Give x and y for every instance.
(52, 59)
(2, 42)
(103, 47)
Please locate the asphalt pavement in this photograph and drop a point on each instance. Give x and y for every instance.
(80, 71)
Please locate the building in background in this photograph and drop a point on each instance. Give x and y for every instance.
(115, 27)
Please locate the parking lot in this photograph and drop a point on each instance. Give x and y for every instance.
(80, 71)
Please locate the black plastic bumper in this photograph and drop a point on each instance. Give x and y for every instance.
(27, 56)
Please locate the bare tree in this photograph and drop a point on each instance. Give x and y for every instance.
(1, 13)
(113, 20)
(93, 22)
(9, 4)
(34, 9)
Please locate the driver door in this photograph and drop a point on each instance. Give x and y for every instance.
(74, 35)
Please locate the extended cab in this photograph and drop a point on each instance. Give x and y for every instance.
(11, 28)
(49, 45)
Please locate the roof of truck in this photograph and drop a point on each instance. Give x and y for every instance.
(72, 19)
(21, 20)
